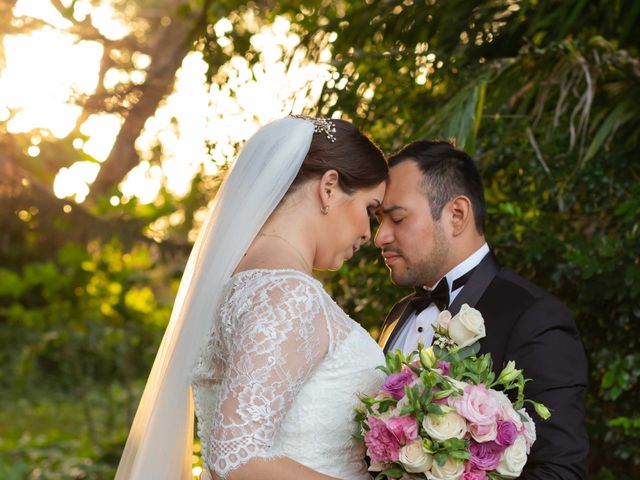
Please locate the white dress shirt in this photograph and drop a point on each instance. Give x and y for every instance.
(420, 327)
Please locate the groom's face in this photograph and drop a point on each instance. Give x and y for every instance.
(414, 246)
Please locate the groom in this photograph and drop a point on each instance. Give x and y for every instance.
(431, 235)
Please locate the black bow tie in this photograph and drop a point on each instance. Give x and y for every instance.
(439, 296)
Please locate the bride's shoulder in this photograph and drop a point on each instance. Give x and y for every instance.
(275, 276)
(273, 284)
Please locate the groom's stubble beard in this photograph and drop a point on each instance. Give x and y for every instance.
(427, 270)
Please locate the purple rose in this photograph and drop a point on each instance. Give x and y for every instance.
(394, 383)
(484, 456)
(443, 365)
(507, 433)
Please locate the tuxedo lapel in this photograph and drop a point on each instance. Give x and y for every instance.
(480, 279)
(394, 324)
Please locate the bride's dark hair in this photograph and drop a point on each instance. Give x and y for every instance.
(358, 161)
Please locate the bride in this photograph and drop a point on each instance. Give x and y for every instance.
(274, 364)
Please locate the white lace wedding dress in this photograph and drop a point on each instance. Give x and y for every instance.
(282, 375)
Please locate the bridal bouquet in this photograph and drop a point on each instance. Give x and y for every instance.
(439, 415)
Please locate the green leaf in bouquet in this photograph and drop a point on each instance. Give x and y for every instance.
(456, 444)
(474, 377)
(406, 410)
(488, 380)
(441, 458)
(469, 351)
(393, 472)
(394, 361)
(495, 476)
(486, 364)
(367, 400)
(434, 409)
(427, 380)
(386, 404)
(414, 369)
(460, 454)
(415, 397)
(428, 446)
(383, 369)
(426, 397)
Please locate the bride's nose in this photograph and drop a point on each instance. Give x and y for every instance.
(367, 234)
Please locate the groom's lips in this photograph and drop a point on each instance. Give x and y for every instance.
(390, 257)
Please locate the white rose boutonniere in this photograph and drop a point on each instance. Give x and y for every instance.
(467, 326)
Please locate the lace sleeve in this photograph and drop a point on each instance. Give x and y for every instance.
(278, 335)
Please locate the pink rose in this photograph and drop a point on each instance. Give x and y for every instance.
(443, 319)
(471, 473)
(394, 383)
(484, 456)
(405, 429)
(382, 444)
(477, 405)
(483, 433)
(507, 433)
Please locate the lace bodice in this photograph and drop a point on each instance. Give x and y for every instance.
(280, 376)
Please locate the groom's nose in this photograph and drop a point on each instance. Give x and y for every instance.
(384, 235)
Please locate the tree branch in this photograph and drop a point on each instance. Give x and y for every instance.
(168, 51)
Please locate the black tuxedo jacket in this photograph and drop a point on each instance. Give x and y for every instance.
(525, 324)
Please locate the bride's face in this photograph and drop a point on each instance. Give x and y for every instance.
(348, 226)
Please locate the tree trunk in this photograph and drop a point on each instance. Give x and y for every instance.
(167, 54)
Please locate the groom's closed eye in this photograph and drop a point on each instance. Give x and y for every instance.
(396, 212)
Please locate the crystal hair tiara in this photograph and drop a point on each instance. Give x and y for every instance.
(321, 125)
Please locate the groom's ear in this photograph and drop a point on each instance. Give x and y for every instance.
(459, 213)
(328, 186)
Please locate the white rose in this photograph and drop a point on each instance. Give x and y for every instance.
(414, 459)
(451, 470)
(506, 410)
(529, 429)
(376, 467)
(467, 327)
(513, 458)
(443, 427)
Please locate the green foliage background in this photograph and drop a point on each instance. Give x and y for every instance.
(544, 96)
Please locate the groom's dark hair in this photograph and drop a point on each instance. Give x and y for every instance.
(447, 172)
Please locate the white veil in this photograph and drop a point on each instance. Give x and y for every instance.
(161, 437)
